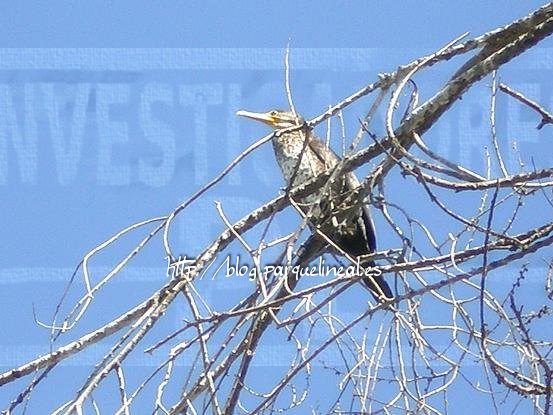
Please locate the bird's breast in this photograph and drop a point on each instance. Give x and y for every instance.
(296, 160)
(300, 164)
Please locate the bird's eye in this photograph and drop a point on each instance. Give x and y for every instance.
(273, 114)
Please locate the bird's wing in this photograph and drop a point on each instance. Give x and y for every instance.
(328, 156)
(325, 154)
(369, 229)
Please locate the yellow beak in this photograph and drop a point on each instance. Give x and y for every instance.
(264, 117)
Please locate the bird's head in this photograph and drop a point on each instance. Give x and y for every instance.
(275, 118)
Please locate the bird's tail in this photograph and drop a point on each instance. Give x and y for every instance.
(379, 287)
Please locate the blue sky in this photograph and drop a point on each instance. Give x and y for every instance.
(250, 23)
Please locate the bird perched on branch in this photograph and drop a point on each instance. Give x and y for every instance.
(338, 220)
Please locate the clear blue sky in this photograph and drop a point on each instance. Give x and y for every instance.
(249, 23)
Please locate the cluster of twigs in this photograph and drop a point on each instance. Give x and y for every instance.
(408, 354)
